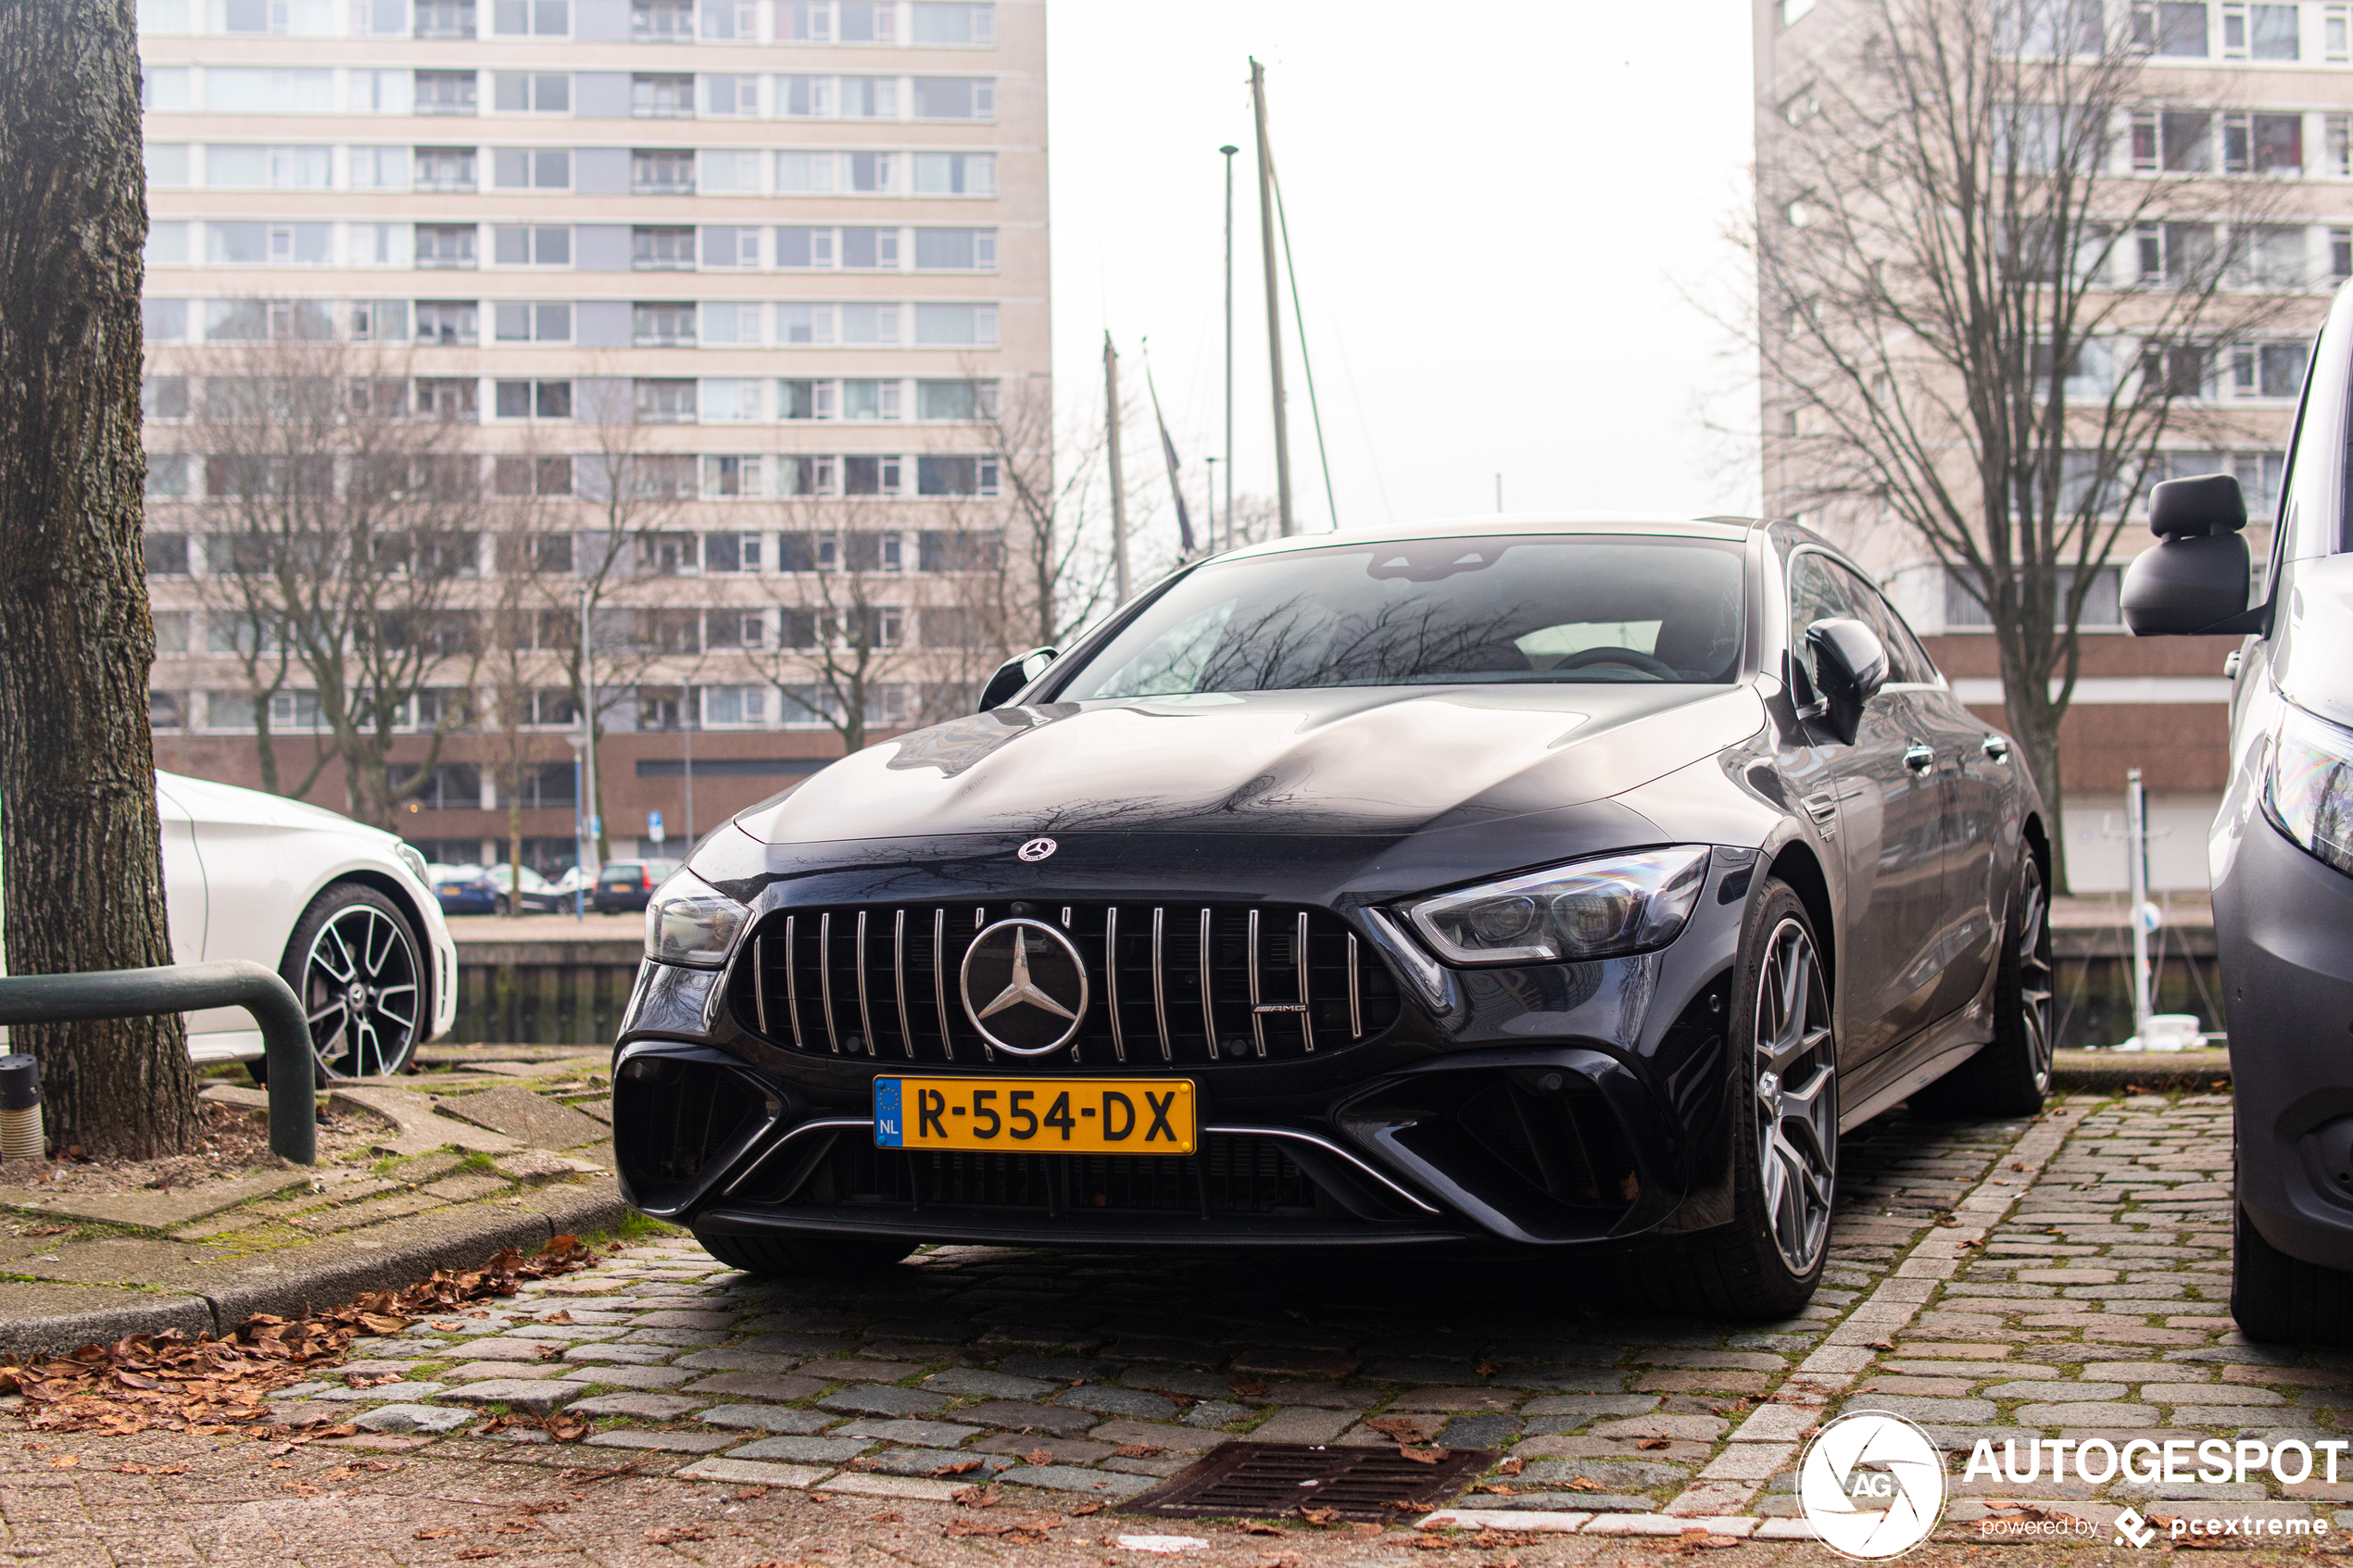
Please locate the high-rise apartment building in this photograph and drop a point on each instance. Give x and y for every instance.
(2230, 96)
(760, 284)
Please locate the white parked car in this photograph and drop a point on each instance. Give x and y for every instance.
(342, 909)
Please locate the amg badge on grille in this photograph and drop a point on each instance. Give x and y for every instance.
(1025, 986)
(1037, 849)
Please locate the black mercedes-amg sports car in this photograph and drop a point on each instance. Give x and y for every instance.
(1528, 885)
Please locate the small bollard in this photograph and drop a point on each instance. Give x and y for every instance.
(20, 1135)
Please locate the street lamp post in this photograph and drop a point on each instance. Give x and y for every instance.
(579, 836)
(1229, 150)
(589, 728)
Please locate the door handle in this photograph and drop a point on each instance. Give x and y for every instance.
(1920, 759)
(1997, 749)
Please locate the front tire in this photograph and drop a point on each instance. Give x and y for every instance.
(824, 1257)
(2277, 1299)
(2012, 1077)
(1784, 1111)
(358, 968)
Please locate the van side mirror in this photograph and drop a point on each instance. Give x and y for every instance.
(2199, 578)
(1013, 674)
(1850, 665)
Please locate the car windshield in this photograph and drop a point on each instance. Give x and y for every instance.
(1433, 612)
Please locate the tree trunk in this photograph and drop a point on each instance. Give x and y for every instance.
(83, 848)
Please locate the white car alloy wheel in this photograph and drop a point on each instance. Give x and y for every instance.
(1796, 1100)
(361, 988)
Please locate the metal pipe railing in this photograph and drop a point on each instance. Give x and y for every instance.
(147, 993)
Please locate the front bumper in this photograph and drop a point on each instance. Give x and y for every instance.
(1551, 1105)
(2283, 921)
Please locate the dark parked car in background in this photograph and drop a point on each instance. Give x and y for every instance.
(1519, 885)
(2280, 854)
(539, 897)
(623, 886)
(463, 890)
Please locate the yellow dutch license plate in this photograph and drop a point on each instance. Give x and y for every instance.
(1063, 1116)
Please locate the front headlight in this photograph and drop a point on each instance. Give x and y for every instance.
(688, 922)
(1592, 909)
(2310, 790)
(414, 860)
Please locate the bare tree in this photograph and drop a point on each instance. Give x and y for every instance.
(1995, 277)
(843, 640)
(1061, 571)
(344, 519)
(520, 681)
(84, 884)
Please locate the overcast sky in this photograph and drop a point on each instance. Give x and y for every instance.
(1502, 213)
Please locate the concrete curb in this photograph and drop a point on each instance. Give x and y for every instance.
(326, 1273)
(2111, 1073)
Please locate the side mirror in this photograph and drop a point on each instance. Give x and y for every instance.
(2199, 578)
(1850, 664)
(1013, 674)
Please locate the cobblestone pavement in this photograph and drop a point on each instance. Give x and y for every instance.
(2010, 1280)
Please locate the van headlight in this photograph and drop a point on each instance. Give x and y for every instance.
(688, 922)
(2308, 787)
(1590, 909)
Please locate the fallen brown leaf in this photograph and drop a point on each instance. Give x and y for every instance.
(676, 1533)
(884, 1519)
(65, 1462)
(1510, 1467)
(1086, 1508)
(1325, 1517)
(1430, 1455)
(563, 1315)
(1655, 1443)
(1485, 1368)
(1248, 1388)
(978, 1496)
(439, 1532)
(475, 1553)
(563, 1428)
(1585, 1484)
(298, 1487)
(1261, 1527)
(1137, 1451)
(961, 1467)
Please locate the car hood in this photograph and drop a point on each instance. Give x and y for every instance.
(1355, 760)
(206, 801)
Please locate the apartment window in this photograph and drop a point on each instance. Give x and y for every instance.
(378, 320)
(800, 325)
(2263, 143)
(2173, 371)
(939, 25)
(373, 92)
(2341, 255)
(445, 244)
(870, 249)
(955, 174)
(2048, 28)
(731, 325)
(802, 476)
(728, 96)
(2269, 369)
(2339, 130)
(163, 398)
(2336, 33)
(663, 326)
(518, 244)
(2168, 28)
(2178, 254)
(732, 628)
(536, 476)
(941, 475)
(869, 325)
(661, 172)
(661, 249)
(869, 21)
(163, 320)
(447, 322)
(444, 91)
(803, 174)
(869, 476)
(532, 169)
(2176, 142)
(804, 400)
(268, 168)
(378, 169)
(166, 163)
(268, 244)
(2270, 257)
(805, 98)
(312, 16)
(379, 245)
(956, 250)
(959, 551)
(727, 479)
(869, 399)
(731, 400)
(959, 400)
(725, 171)
(801, 248)
(956, 325)
(661, 97)
(731, 19)
(163, 89)
(445, 18)
(665, 400)
(541, 18)
(530, 91)
(533, 401)
(728, 707)
(955, 97)
(726, 247)
(870, 173)
(243, 90)
(662, 21)
(2260, 32)
(167, 245)
(805, 21)
(266, 320)
(447, 398)
(869, 97)
(167, 476)
(545, 321)
(444, 169)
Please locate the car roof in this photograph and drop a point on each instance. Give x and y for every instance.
(1726, 530)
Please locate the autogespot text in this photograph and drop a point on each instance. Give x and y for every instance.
(2098, 1461)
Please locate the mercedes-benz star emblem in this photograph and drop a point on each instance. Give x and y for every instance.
(1025, 986)
(1037, 849)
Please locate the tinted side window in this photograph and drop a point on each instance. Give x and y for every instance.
(1818, 590)
(1908, 662)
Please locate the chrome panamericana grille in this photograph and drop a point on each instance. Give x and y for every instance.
(1169, 985)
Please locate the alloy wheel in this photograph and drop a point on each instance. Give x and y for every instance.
(1796, 1097)
(361, 992)
(2034, 973)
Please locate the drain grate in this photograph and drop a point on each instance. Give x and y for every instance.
(1269, 1480)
